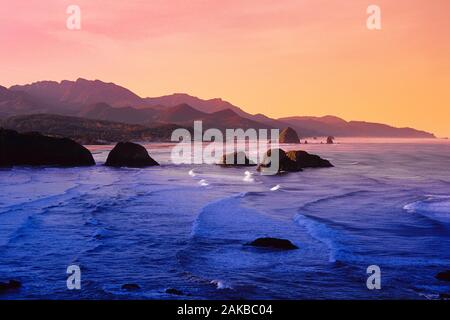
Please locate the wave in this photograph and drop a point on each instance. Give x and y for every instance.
(218, 217)
(435, 207)
(327, 235)
(333, 197)
(343, 248)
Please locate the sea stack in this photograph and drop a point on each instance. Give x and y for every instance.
(330, 140)
(285, 164)
(289, 135)
(34, 149)
(307, 160)
(128, 154)
(292, 161)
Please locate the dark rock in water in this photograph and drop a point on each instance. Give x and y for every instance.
(289, 135)
(131, 287)
(236, 159)
(294, 161)
(443, 276)
(307, 160)
(128, 154)
(273, 243)
(285, 163)
(174, 291)
(330, 140)
(11, 285)
(34, 149)
(444, 296)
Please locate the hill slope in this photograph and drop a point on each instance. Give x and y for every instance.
(87, 131)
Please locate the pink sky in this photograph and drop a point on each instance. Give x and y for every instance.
(302, 57)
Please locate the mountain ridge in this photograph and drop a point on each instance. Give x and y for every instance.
(95, 99)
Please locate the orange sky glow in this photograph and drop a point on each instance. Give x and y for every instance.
(277, 57)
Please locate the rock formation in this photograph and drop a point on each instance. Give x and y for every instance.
(34, 149)
(128, 154)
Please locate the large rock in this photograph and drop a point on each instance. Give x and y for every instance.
(330, 140)
(294, 161)
(443, 276)
(307, 160)
(236, 159)
(128, 154)
(34, 149)
(273, 243)
(289, 135)
(285, 163)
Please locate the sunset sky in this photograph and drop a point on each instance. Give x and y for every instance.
(277, 57)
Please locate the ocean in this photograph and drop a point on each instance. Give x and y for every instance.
(385, 203)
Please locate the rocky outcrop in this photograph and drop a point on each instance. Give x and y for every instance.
(236, 159)
(307, 160)
(285, 164)
(330, 140)
(273, 243)
(293, 161)
(289, 135)
(128, 154)
(10, 285)
(34, 149)
(443, 276)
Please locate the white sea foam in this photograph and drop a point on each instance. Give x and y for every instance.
(436, 207)
(248, 177)
(275, 188)
(220, 284)
(192, 173)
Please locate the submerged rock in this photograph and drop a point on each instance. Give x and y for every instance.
(236, 159)
(174, 291)
(274, 243)
(128, 154)
(443, 276)
(289, 135)
(35, 149)
(131, 287)
(307, 160)
(10, 285)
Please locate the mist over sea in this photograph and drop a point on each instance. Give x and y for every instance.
(385, 203)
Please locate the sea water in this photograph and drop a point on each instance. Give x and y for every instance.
(385, 203)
